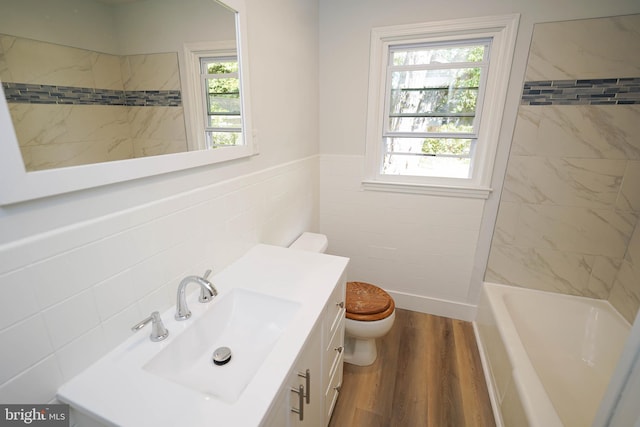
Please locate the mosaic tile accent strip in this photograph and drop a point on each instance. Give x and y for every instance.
(25, 93)
(153, 98)
(615, 91)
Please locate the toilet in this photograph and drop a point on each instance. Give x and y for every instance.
(370, 311)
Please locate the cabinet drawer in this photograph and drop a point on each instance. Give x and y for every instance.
(334, 350)
(334, 311)
(333, 390)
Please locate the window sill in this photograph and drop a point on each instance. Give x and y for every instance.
(430, 190)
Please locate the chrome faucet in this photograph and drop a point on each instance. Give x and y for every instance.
(207, 292)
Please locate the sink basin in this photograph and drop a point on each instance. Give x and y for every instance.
(249, 323)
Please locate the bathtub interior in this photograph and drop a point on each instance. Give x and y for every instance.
(558, 366)
(581, 329)
(573, 344)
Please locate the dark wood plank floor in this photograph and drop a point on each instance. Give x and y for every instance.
(428, 373)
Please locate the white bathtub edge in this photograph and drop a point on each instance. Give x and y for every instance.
(486, 370)
(536, 404)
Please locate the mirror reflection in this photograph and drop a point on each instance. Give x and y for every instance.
(91, 81)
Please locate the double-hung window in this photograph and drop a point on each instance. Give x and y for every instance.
(216, 101)
(431, 111)
(436, 99)
(220, 86)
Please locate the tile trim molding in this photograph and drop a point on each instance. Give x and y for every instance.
(26, 93)
(610, 91)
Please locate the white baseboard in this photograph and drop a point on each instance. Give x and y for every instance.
(435, 306)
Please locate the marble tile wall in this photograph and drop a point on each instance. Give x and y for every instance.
(625, 292)
(72, 106)
(157, 130)
(571, 197)
(67, 135)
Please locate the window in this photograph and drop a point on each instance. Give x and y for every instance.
(216, 101)
(431, 120)
(221, 94)
(436, 98)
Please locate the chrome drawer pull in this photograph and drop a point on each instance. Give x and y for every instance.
(307, 377)
(300, 410)
(339, 349)
(340, 304)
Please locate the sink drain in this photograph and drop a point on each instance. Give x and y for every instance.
(221, 356)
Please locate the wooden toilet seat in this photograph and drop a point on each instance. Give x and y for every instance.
(367, 302)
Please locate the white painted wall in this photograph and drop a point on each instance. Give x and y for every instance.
(430, 252)
(155, 26)
(77, 270)
(60, 22)
(149, 26)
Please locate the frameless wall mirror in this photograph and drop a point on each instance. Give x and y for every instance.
(102, 91)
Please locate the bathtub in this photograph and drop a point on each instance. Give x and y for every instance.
(547, 357)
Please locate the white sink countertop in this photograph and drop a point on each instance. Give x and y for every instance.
(118, 390)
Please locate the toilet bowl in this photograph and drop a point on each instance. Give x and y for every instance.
(370, 315)
(370, 311)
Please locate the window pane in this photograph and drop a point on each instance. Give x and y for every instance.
(431, 124)
(220, 67)
(443, 167)
(217, 139)
(442, 100)
(223, 85)
(223, 103)
(233, 122)
(430, 146)
(437, 55)
(223, 96)
(447, 146)
(441, 157)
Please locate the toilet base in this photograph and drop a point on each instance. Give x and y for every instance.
(360, 351)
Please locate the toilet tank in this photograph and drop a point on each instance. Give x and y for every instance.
(311, 242)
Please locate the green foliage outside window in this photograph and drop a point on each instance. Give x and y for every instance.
(223, 91)
(446, 146)
(224, 138)
(465, 102)
(222, 87)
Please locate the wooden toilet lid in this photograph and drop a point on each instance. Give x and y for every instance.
(367, 302)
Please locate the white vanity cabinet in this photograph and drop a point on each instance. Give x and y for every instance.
(305, 385)
(298, 295)
(315, 379)
(333, 348)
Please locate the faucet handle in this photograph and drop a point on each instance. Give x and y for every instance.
(204, 295)
(158, 331)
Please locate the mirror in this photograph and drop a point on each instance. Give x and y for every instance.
(102, 91)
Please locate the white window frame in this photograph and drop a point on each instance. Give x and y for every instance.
(502, 31)
(194, 102)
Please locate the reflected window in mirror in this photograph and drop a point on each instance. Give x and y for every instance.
(220, 86)
(214, 96)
